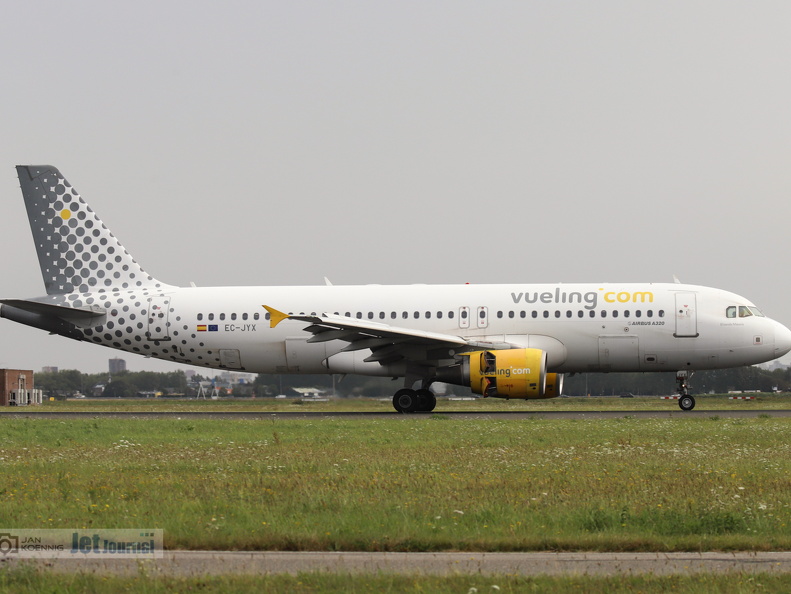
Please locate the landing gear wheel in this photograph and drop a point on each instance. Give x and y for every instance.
(426, 400)
(686, 402)
(406, 401)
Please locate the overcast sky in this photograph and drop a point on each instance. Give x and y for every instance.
(275, 143)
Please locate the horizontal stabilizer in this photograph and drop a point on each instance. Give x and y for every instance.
(83, 317)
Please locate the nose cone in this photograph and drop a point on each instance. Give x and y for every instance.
(782, 340)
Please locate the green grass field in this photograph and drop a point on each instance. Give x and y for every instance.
(408, 483)
(384, 404)
(25, 581)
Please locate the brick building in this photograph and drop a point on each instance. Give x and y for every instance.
(16, 388)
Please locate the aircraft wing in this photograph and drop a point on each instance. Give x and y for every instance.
(387, 343)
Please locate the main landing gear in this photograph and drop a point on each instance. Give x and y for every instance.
(685, 401)
(407, 400)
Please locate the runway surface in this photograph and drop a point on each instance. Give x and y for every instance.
(196, 563)
(502, 415)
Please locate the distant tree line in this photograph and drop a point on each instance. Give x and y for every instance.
(719, 381)
(595, 384)
(130, 384)
(119, 385)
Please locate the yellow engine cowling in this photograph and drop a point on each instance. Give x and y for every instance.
(512, 373)
(554, 385)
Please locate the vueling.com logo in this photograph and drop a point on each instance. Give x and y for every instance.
(508, 371)
(627, 297)
(590, 299)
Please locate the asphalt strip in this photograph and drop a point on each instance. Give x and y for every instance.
(199, 563)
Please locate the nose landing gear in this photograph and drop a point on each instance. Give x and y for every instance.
(685, 401)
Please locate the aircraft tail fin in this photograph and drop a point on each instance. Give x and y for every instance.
(76, 251)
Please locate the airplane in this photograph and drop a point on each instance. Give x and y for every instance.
(504, 341)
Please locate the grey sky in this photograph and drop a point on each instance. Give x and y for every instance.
(256, 143)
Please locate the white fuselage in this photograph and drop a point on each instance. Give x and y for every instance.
(582, 327)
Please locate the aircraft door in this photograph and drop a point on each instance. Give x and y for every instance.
(158, 311)
(464, 317)
(686, 316)
(483, 317)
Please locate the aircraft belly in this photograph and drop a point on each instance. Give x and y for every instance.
(304, 357)
(618, 353)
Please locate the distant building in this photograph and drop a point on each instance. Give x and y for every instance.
(117, 365)
(16, 388)
(49, 370)
(310, 392)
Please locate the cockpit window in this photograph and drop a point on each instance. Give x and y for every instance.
(744, 311)
(730, 312)
(757, 312)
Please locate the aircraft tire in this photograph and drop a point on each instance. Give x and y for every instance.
(406, 401)
(427, 401)
(686, 402)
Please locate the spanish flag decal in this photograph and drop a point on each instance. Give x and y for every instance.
(201, 328)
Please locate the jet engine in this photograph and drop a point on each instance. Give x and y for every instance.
(508, 373)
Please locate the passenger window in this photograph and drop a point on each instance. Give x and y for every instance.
(370, 315)
(439, 314)
(522, 314)
(534, 314)
(580, 314)
(450, 315)
(404, 315)
(499, 314)
(546, 314)
(222, 316)
(661, 313)
(464, 314)
(211, 316)
(510, 314)
(200, 317)
(568, 313)
(592, 314)
(417, 315)
(428, 314)
(730, 311)
(255, 316)
(392, 315)
(603, 314)
(638, 313)
(626, 313)
(650, 313)
(359, 315)
(557, 313)
(244, 316)
(615, 313)
(233, 316)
